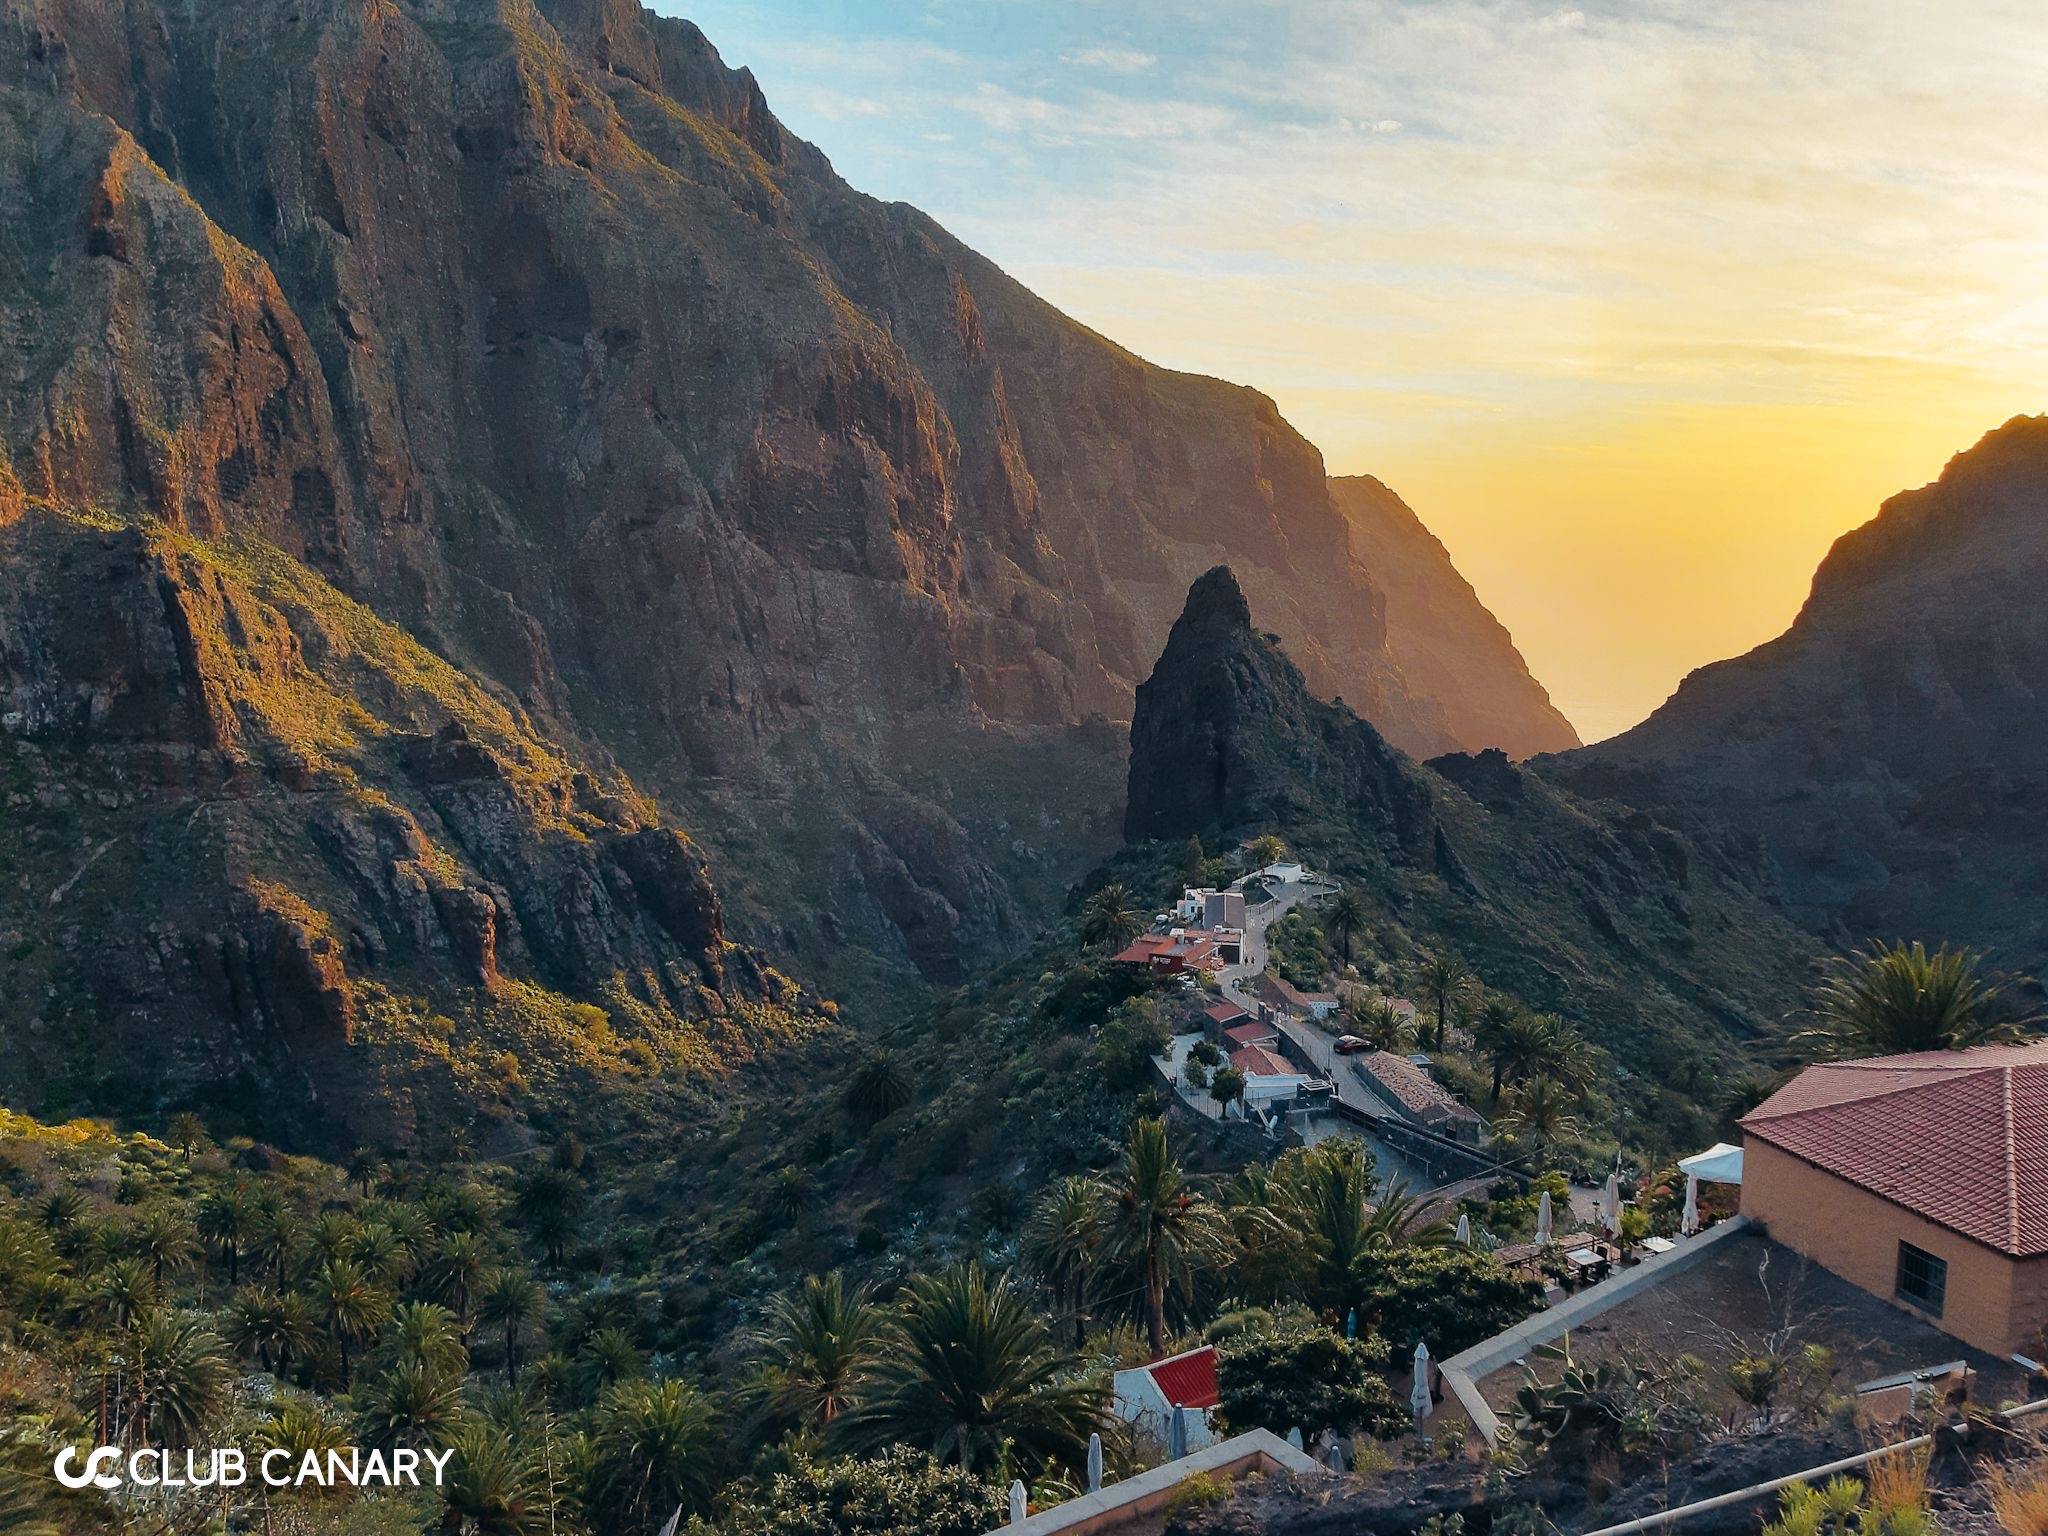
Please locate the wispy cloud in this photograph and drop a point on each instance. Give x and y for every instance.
(1119, 61)
(1503, 251)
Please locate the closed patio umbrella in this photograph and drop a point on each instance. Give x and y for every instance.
(1544, 1237)
(1465, 1229)
(1689, 1221)
(1420, 1399)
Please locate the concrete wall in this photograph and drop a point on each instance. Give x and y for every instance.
(1995, 1302)
(1255, 1452)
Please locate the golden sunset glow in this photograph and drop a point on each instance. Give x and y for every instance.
(1638, 305)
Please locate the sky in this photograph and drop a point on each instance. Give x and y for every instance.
(1638, 304)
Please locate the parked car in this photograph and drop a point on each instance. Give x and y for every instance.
(1351, 1045)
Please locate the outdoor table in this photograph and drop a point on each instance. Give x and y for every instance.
(1659, 1244)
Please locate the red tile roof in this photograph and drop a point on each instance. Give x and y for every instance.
(1413, 1088)
(1250, 1034)
(1225, 1012)
(1257, 1061)
(1151, 947)
(1189, 1380)
(1959, 1137)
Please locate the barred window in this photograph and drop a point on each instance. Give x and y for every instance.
(1923, 1279)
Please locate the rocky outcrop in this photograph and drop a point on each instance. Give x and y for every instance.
(1881, 759)
(1668, 950)
(1448, 646)
(528, 326)
(1227, 737)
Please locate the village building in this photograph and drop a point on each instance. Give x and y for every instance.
(1252, 1033)
(1268, 1077)
(1201, 907)
(1226, 1015)
(1147, 1396)
(1408, 1090)
(1184, 949)
(1920, 1179)
(1280, 997)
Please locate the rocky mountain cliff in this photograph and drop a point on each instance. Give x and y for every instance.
(527, 326)
(268, 856)
(1445, 641)
(1885, 753)
(1664, 947)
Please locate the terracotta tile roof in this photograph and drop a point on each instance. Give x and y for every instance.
(1189, 1380)
(1150, 947)
(1959, 1137)
(1412, 1087)
(1257, 1061)
(1284, 994)
(1250, 1034)
(1225, 1013)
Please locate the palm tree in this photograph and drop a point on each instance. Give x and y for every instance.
(166, 1239)
(424, 1332)
(416, 1235)
(384, 1258)
(182, 1374)
(1896, 999)
(273, 1240)
(1441, 981)
(1323, 1194)
(1063, 1243)
(1344, 916)
(608, 1358)
(1540, 1111)
(971, 1375)
(1109, 918)
(226, 1217)
(188, 1133)
(818, 1340)
(125, 1292)
(412, 1404)
(275, 1329)
(1156, 1225)
(332, 1236)
(877, 1089)
(1401, 1220)
(511, 1301)
(455, 1272)
(548, 1203)
(652, 1444)
(349, 1305)
(365, 1168)
(1378, 1020)
(62, 1208)
(1495, 1032)
(492, 1488)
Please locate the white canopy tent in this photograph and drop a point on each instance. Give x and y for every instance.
(1719, 1164)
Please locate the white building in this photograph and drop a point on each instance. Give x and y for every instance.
(1145, 1397)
